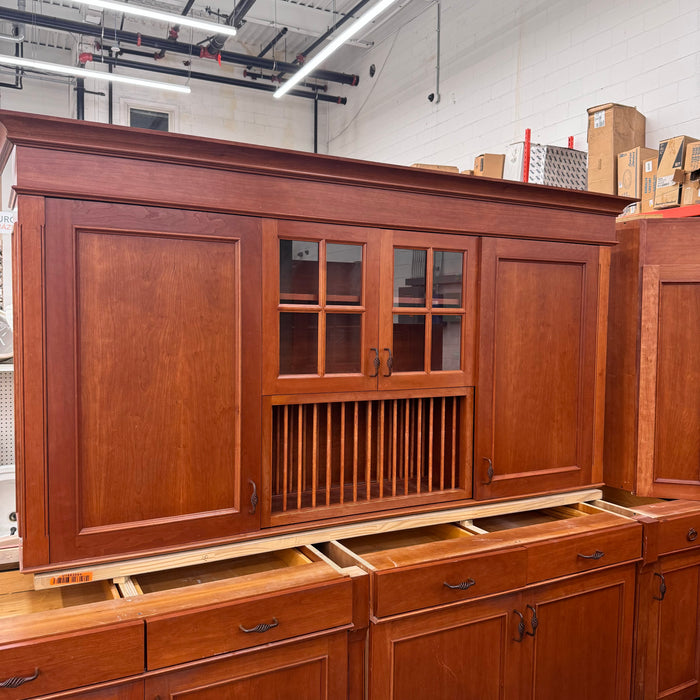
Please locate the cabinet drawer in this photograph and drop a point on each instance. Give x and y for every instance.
(462, 578)
(574, 554)
(198, 633)
(72, 660)
(678, 534)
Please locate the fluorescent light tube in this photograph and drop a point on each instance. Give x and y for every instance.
(322, 55)
(94, 74)
(139, 11)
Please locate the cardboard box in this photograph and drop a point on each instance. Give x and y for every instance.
(692, 157)
(669, 173)
(648, 183)
(612, 129)
(443, 168)
(467, 172)
(489, 165)
(549, 165)
(630, 171)
(690, 194)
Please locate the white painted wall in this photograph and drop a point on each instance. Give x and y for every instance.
(506, 66)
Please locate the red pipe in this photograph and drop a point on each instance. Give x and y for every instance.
(526, 156)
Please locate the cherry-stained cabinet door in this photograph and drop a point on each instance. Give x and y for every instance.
(669, 382)
(152, 376)
(536, 388)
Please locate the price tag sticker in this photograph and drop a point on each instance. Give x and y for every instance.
(68, 579)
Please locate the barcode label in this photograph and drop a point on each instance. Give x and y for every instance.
(664, 181)
(648, 166)
(598, 119)
(63, 579)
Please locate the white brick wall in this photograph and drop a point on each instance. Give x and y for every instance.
(507, 66)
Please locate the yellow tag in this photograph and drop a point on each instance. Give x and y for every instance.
(65, 579)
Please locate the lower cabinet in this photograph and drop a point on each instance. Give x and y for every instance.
(122, 691)
(315, 669)
(568, 639)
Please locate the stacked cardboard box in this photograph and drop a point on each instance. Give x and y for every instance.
(612, 129)
(670, 173)
(630, 173)
(489, 165)
(691, 182)
(549, 165)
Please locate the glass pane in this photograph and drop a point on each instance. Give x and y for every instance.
(409, 277)
(409, 343)
(447, 278)
(344, 274)
(446, 346)
(343, 335)
(298, 343)
(298, 272)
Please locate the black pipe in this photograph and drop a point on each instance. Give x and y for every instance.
(235, 19)
(157, 68)
(275, 79)
(316, 123)
(135, 39)
(110, 98)
(337, 25)
(173, 33)
(273, 42)
(80, 91)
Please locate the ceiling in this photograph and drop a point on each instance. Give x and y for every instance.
(69, 28)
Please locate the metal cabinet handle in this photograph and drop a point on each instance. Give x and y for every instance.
(462, 585)
(489, 472)
(692, 534)
(17, 681)
(533, 621)
(662, 587)
(389, 362)
(596, 555)
(262, 627)
(375, 362)
(253, 497)
(521, 627)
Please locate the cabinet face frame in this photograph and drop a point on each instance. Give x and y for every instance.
(654, 277)
(491, 479)
(68, 404)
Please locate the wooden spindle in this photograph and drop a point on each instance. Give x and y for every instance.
(300, 453)
(380, 450)
(430, 445)
(368, 453)
(328, 453)
(419, 443)
(356, 430)
(314, 456)
(394, 438)
(406, 431)
(442, 445)
(454, 438)
(342, 452)
(285, 465)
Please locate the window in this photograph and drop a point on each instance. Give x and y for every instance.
(149, 119)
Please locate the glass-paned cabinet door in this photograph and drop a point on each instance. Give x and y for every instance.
(427, 312)
(320, 317)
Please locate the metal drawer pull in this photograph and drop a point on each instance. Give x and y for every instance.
(17, 681)
(521, 627)
(253, 498)
(489, 472)
(692, 534)
(462, 586)
(262, 627)
(662, 587)
(533, 621)
(389, 362)
(596, 555)
(375, 362)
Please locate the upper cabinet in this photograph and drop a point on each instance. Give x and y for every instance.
(357, 309)
(221, 337)
(538, 394)
(652, 422)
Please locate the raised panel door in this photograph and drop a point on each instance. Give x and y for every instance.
(536, 394)
(579, 633)
(313, 670)
(152, 377)
(468, 652)
(669, 390)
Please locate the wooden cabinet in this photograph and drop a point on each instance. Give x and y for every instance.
(133, 690)
(505, 606)
(538, 396)
(652, 444)
(150, 378)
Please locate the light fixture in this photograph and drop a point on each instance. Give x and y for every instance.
(169, 17)
(321, 56)
(97, 75)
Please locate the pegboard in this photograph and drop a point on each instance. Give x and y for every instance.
(7, 418)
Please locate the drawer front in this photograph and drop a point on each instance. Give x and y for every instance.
(677, 534)
(439, 583)
(72, 660)
(577, 553)
(197, 634)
